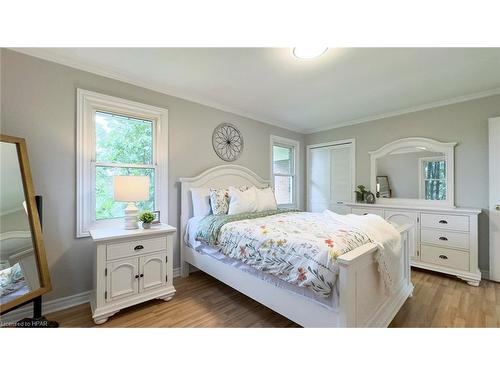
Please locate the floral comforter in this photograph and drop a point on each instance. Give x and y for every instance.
(298, 247)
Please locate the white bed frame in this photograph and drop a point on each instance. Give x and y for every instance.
(363, 300)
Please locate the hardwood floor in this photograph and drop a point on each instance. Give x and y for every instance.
(202, 301)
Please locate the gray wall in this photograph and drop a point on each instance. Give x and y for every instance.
(38, 102)
(465, 123)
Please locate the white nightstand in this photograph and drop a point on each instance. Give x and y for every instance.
(130, 267)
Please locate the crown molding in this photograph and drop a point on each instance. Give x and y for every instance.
(44, 55)
(40, 53)
(440, 103)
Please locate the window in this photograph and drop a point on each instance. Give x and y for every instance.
(433, 178)
(284, 156)
(117, 137)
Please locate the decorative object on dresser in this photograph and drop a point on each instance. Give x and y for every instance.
(146, 217)
(370, 198)
(227, 142)
(131, 189)
(130, 267)
(157, 219)
(383, 187)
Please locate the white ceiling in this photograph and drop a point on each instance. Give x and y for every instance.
(342, 87)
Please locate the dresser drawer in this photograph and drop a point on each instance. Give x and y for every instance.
(445, 257)
(445, 238)
(138, 247)
(453, 222)
(364, 211)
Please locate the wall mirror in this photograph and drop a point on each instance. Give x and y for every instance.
(24, 273)
(414, 171)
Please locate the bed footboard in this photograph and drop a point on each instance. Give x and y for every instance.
(364, 300)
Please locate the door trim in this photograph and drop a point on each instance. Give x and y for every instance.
(351, 141)
(493, 126)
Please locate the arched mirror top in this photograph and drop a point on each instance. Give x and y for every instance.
(414, 171)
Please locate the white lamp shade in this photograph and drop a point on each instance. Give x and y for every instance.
(131, 188)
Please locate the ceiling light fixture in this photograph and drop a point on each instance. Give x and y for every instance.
(308, 52)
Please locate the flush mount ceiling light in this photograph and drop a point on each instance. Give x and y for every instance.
(308, 52)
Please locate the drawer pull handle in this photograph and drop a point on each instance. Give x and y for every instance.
(443, 222)
(443, 239)
(138, 247)
(443, 257)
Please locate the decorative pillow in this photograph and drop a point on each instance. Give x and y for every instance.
(242, 201)
(266, 200)
(201, 201)
(219, 200)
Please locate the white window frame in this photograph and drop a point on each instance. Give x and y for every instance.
(421, 178)
(295, 145)
(88, 103)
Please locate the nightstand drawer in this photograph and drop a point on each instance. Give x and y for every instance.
(445, 239)
(135, 248)
(445, 257)
(453, 222)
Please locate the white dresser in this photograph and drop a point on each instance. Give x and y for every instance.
(443, 240)
(130, 267)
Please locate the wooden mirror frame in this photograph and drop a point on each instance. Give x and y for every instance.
(448, 149)
(36, 230)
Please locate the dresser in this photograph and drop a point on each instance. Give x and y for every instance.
(443, 239)
(130, 267)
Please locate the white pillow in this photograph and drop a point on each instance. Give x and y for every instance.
(201, 201)
(242, 201)
(266, 200)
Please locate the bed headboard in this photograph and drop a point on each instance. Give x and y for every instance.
(216, 177)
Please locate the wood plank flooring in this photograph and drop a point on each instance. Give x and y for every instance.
(202, 301)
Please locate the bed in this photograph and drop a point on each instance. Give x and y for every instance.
(360, 297)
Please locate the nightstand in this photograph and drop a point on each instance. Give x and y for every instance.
(130, 267)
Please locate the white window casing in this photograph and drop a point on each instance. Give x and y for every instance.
(88, 103)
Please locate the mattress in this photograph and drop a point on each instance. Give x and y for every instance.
(330, 302)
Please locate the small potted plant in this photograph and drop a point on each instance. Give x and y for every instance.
(361, 193)
(147, 217)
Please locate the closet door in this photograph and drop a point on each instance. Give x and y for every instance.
(341, 186)
(330, 178)
(319, 179)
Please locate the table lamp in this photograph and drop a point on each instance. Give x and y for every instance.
(131, 189)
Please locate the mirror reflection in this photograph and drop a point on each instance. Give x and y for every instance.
(412, 173)
(18, 266)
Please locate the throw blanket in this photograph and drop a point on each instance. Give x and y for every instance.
(298, 247)
(387, 239)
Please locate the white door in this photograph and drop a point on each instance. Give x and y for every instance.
(494, 206)
(342, 186)
(123, 279)
(330, 177)
(153, 271)
(319, 179)
(403, 217)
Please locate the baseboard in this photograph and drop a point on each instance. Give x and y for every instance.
(55, 305)
(47, 307)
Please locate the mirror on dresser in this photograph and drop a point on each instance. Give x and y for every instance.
(414, 171)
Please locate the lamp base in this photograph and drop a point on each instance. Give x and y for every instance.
(131, 216)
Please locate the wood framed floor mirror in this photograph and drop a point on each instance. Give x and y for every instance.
(24, 273)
